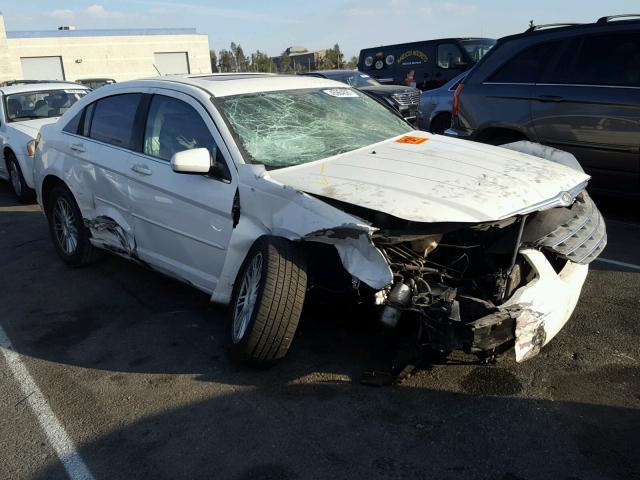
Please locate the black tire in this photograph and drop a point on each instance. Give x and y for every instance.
(504, 138)
(82, 252)
(272, 321)
(441, 123)
(18, 184)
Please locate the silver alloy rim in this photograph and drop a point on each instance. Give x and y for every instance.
(64, 226)
(247, 298)
(15, 178)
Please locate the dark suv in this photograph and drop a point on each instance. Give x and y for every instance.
(403, 99)
(574, 87)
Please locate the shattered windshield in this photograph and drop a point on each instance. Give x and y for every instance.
(281, 129)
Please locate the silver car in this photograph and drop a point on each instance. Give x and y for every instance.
(434, 111)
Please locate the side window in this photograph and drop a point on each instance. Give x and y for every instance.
(174, 126)
(114, 118)
(73, 124)
(449, 55)
(609, 59)
(88, 116)
(526, 66)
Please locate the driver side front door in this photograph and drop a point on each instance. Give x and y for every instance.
(182, 222)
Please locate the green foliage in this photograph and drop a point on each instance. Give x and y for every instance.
(226, 61)
(352, 64)
(234, 60)
(214, 61)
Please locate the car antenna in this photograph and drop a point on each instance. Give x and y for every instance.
(154, 66)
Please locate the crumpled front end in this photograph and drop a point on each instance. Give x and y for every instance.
(486, 288)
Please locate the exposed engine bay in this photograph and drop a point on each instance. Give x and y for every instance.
(450, 286)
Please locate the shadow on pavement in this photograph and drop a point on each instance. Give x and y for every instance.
(308, 417)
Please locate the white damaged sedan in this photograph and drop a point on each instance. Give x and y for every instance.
(255, 188)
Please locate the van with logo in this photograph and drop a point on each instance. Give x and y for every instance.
(425, 65)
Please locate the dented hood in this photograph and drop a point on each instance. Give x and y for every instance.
(431, 178)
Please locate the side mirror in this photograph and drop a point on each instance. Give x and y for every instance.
(196, 160)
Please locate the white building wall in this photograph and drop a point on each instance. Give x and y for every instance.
(118, 57)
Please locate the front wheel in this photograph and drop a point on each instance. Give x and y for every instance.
(18, 184)
(267, 301)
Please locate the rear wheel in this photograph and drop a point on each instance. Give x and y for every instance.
(70, 236)
(502, 138)
(267, 301)
(18, 184)
(441, 123)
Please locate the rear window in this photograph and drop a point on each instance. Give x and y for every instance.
(526, 66)
(114, 118)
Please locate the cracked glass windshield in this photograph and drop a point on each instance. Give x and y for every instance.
(281, 129)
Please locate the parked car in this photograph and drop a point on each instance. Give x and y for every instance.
(403, 99)
(94, 83)
(435, 107)
(425, 65)
(256, 188)
(573, 87)
(24, 108)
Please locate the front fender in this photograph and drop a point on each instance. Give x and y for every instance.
(268, 207)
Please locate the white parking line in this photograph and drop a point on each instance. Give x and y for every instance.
(620, 264)
(57, 436)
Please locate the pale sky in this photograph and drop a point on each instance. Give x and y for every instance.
(272, 26)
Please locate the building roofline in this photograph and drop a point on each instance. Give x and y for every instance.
(125, 32)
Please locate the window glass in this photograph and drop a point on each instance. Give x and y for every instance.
(87, 120)
(291, 127)
(526, 66)
(114, 118)
(74, 123)
(449, 55)
(174, 126)
(610, 59)
(41, 103)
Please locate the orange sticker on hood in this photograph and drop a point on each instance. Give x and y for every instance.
(412, 140)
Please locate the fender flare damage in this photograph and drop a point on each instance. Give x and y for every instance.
(268, 207)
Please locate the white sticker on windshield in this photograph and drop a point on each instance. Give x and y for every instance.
(364, 75)
(341, 93)
(75, 91)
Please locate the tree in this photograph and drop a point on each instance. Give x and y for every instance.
(214, 61)
(352, 64)
(226, 61)
(285, 63)
(261, 62)
(333, 58)
(239, 58)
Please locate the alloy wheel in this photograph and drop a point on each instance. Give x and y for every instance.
(64, 226)
(14, 175)
(247, 298)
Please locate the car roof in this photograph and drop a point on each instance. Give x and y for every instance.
(222, 85)
(571, 27)
(36, 87)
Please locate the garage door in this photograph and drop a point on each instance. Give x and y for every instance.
(168, 63)
(42, 68)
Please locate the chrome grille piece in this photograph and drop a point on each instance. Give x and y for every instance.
(582, 237)
(410, 98)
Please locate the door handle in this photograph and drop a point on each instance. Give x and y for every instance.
(141, 169)
(550, 98)
(78, 147)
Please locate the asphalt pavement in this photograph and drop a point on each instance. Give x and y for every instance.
(133, 368)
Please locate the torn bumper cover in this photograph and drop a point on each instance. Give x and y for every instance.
(542, 307)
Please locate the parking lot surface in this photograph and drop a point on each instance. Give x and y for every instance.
(133, 367)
